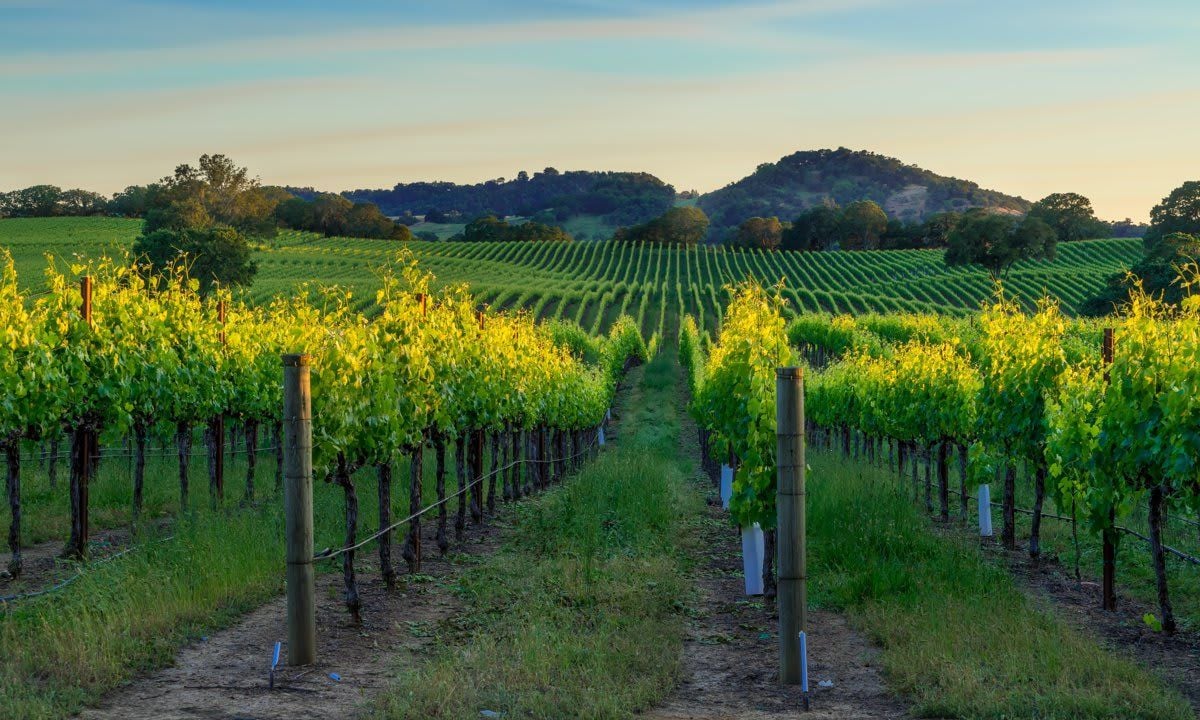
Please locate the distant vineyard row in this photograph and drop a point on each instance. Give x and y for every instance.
(593, 283)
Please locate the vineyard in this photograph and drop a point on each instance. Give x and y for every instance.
(1100, 422)
(105, 364)
(145, 434)
(593, 283)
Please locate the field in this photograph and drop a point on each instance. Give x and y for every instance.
(570, 579)
(593, 283)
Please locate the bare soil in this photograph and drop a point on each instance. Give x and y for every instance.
(226, 676)
(730, 658)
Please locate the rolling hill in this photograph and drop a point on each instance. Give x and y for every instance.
(809, 178)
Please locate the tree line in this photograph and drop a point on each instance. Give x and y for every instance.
(619, 197)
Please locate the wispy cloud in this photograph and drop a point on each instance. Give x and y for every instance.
(712, 24)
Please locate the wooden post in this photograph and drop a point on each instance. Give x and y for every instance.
(789, 461)
(81, 453)
(422, 299)
(218, 432)
(89, 434)
(298, 508)
(1109, 562)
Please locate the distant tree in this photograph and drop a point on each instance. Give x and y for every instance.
(1179, 212)
(899, 235)
(994, 241)
(199, 215)
(130, 202)
(935, 231)
(1158, 272)
(814, 229)
(1070, 215)
(1127, 228)
(218, 255)
(862, 223)
(1171, 241)
(35, 201)
(296, 213)
(428, 236)
(538, 232)
(82, 202)
(365, 221)
(677, 226)
(489, 228)
(329, 214)
(216, 192)
(433, 215)
(760, 233)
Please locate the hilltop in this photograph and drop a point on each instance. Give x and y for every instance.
(809, 178)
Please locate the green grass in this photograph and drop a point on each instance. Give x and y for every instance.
(121, 618)
(959, 638)
(578, 615)
(132, 614)
(1135, 574)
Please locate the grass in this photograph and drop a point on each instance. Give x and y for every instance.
(132, 614)
(579, 614)
(121, 618)
(1135, 574)
(959, 638)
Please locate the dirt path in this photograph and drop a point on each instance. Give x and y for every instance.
(730, 662)
(1176, 659)
(226, 675)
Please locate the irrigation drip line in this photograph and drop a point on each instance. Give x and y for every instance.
(1119, 528)
(8, 599)
(329, 554)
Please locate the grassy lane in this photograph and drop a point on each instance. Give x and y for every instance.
(579, 614)
(959, 638)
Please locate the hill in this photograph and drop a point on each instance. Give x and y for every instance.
(619, 198)
(809, 178)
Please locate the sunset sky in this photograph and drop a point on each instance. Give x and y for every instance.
(1027, 97)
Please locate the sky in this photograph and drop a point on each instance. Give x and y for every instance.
(1026, 97)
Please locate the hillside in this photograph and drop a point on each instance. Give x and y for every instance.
(808, 178)
(620, 198)
(593, 282)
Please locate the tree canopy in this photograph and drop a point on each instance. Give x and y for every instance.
(1171, 242)
(199, 217)
(51, 201)
(1071, 215)
(620, 197)
(490, 228)
(1158, 273)
(1178, 212)
(677, 226)
(861, 224)
(759, 233)
(995, 241)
